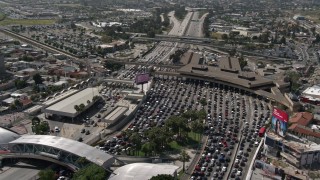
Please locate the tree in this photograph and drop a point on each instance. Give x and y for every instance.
(224, 36)
(163, 177)
(90, 172)
(76, 107)
(46, 174)
(37, 79)
(35, 120)
(18, 103)
(184, 157)
(232, 52)
(197, 127)
(81, 107)
(283, 40)
(136, 140)
(203, 102)
(146, 148)
(20, 84)
(41, 128)
(242, 62)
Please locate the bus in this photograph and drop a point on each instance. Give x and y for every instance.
(262, 131)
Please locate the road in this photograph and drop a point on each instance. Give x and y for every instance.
(21, 171)
(196, 25)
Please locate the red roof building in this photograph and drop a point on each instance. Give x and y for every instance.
(300, 122)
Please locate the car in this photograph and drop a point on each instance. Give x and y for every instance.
(87, 132)
(56, 129)
(256, 144)
(239, 173)
(224, 169)
(80, 139)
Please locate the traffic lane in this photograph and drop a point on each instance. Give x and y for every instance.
(248, 145)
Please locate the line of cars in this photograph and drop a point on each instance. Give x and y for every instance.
(250, 137)
(226, 110)
(233, 119)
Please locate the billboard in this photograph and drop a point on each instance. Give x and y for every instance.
(279, 122)
(142, 78)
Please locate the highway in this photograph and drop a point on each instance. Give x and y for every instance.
(196, 27)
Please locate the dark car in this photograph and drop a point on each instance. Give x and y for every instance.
(83, 130)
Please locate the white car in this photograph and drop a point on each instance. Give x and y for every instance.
(56, 129)
(256, 143)
(224, 169)
(238, 173)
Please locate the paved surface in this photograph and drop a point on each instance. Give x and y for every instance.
(20, 171)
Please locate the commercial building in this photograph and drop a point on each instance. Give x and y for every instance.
(143, 171)
(229, 71)
(311, 95)
(66, 107)
(296, 150)
(303, 125)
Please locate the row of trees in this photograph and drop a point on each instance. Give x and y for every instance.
(81, 107)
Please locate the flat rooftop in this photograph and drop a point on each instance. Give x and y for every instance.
(312, 91)
(298, 146)
(142, 171)
(60, 97)
(229, 64)
(115, 114)
(66, 106)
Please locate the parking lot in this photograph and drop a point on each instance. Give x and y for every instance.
(232, 123)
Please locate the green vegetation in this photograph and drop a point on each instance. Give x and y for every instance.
(46, 174)
(113, 66)
(180, 12)
(293, 77)
(206, 23)
(242, 62)
(20, 84)
(215, 35)
(2, 16)
(177, 133)
(176, 56)
(313, 15)
(37, 79)
(184, 157)
(162, 177)
(40, 127)
(8, 21)
(153, 24)
(90, 172)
